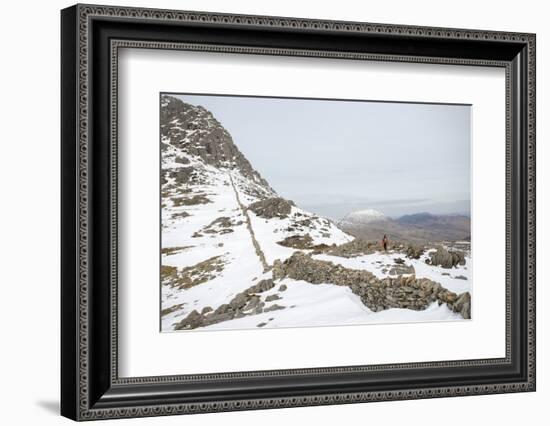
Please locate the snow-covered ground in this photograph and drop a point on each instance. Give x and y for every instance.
(309, 305)
(304, 304)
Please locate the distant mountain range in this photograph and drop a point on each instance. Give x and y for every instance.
(422, 227)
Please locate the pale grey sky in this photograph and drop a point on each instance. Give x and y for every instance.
(333, 157)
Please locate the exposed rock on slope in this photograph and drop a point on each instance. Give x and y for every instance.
(272, 207)
(447, 258)
(414, 252)
(243, 304)
(193, 130)
(353, 248)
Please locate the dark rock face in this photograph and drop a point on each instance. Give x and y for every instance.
(447, 258)
(182, 175)
(378, 294)
(272, 207)
(194, 130)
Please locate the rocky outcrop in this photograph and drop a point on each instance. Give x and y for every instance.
(243, 304)
(272, 207)
(302, 242)
(377, 294)
(463, 305)
(181, 175)
(446, 258)
(300, 266)
(414, 252)
(354, 248)
(194, 130)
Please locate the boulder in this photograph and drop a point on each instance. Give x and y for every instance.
(462, 305)
(193, 320)
(447, 258)
(414, 252)
(271, 208)
(297, 241)
(206, 310)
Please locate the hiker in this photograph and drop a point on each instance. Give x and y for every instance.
(385, 242)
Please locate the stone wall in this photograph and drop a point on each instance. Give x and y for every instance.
(406, 292)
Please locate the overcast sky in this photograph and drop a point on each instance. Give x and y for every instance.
(333, 157)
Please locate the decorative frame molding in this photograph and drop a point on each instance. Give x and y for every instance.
(91, 388)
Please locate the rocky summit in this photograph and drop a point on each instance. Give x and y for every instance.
(193, 130)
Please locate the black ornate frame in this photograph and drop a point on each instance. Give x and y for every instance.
(91, 37)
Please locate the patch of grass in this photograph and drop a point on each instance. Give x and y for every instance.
(168, 273)
(191, 276)
(173, 250)
(221, 225)
(180, 215)
(171, 309)
(190, 201)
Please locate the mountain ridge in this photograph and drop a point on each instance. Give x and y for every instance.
(416, 227)
(198, 133)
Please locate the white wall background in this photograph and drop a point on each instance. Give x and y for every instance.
(29, 213)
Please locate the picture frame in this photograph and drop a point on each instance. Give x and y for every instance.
(91, 37)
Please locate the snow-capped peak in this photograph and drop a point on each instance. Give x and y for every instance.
(364, 216)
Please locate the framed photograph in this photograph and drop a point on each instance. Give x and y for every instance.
(263, 212)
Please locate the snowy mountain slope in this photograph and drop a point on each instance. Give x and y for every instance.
(208, 251)
(224, 228)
